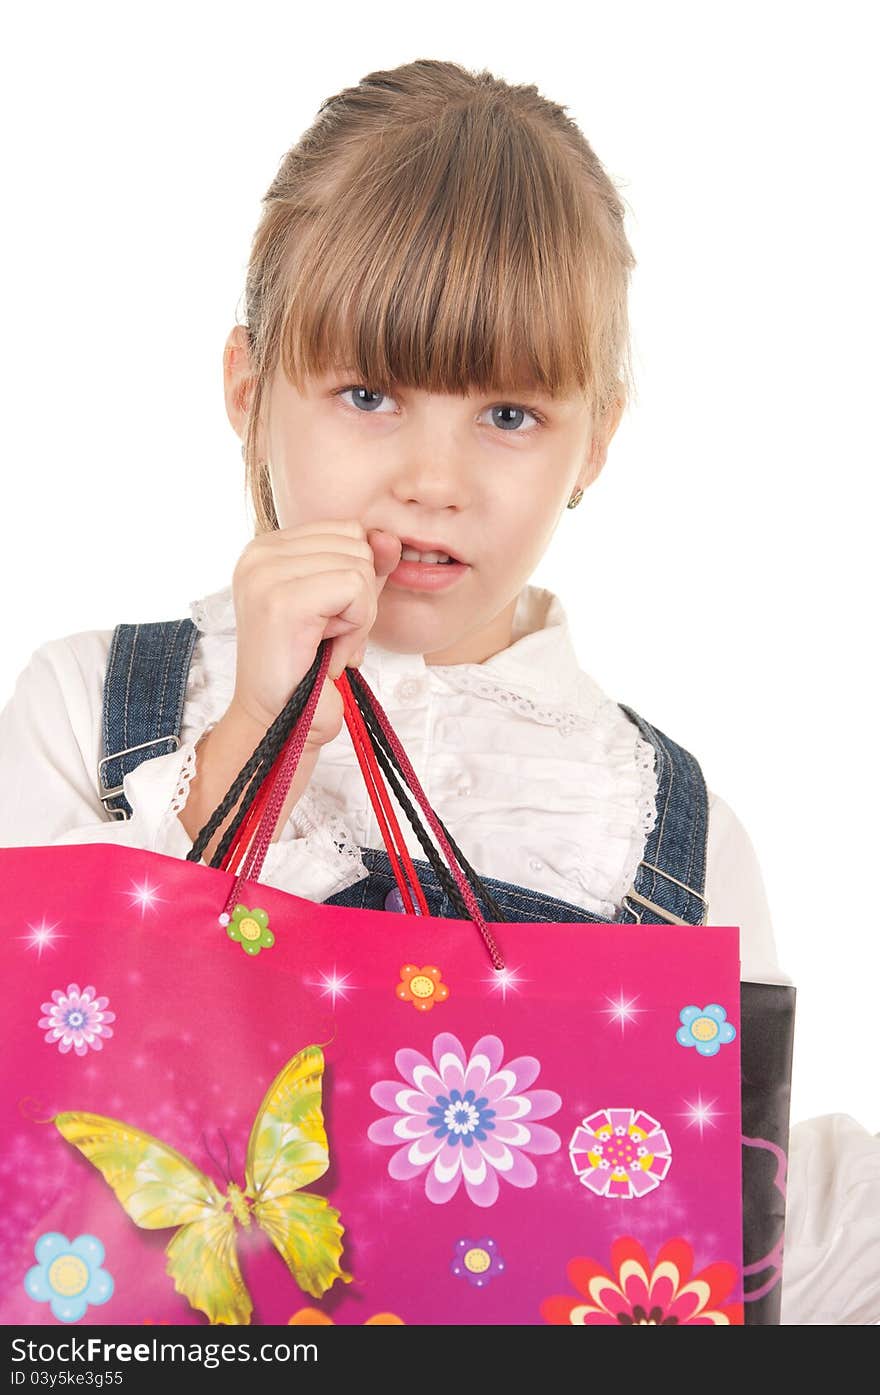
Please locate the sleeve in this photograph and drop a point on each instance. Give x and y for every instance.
(44, 772)
(831, 1263)
(736, 894)
(313, 857)
(50, 744)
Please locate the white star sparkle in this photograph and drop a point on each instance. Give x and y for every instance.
(701, 1113)
(143, 896)
(383, 1196)
(503, 979)
(42, 936)
(333, 986)
(622, 1011)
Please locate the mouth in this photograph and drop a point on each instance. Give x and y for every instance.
(430, 576)
(446, 556)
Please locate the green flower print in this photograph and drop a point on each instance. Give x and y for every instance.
(250, 929)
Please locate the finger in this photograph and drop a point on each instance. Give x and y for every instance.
(387, 549)
(345, 527)
(312, 542)
(344, 593)
(346, 599)
(275, 570)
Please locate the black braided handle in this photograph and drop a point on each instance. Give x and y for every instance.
(255, 770)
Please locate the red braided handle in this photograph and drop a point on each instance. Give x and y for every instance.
(281, 777)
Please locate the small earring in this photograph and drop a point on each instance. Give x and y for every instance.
(575, 499)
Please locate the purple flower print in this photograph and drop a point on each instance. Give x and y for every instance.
(462, 1118)
(77, 1019)
(478, 1261)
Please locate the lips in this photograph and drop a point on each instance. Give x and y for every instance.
(428, 577)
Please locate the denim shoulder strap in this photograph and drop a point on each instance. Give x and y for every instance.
(144, 688)
(670, 880)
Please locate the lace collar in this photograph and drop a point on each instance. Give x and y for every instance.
(538, 671)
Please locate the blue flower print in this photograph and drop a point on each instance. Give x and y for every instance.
(460, 1118)
(68, 1275)
(705, 1028)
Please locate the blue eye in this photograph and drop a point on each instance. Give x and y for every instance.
(361, 396)
(519, 412)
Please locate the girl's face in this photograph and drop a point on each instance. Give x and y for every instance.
(485, 476)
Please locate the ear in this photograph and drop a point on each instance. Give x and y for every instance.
(601, 439)
(238, 379)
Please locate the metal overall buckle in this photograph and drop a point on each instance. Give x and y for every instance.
(658, 911)
(120, 789)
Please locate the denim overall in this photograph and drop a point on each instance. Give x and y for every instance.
(144, 691)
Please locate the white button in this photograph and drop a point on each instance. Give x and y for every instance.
(408, 689)
(535, 864)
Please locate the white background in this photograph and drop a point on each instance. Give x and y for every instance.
(719, 576)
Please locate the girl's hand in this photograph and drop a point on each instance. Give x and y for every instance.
(293, 587)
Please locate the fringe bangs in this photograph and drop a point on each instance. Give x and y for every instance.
(447, 260)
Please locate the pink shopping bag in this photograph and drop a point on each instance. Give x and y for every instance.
(488, 1144)
(223, 1103)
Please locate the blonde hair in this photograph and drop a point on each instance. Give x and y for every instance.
(440, 229)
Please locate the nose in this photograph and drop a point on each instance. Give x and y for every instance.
(433, 466)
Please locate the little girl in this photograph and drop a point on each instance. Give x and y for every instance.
(435, 360)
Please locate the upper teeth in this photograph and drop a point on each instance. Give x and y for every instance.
(409, 554)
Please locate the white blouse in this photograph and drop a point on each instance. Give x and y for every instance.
(540, 777)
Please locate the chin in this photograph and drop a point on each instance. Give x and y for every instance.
(409, 637)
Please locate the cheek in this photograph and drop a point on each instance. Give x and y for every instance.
(521, 531)
(313, 479)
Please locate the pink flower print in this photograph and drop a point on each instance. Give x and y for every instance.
(620, 1153)
(464, 1118)
(77, 1019)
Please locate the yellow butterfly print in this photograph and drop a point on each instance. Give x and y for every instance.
(159, 1187)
